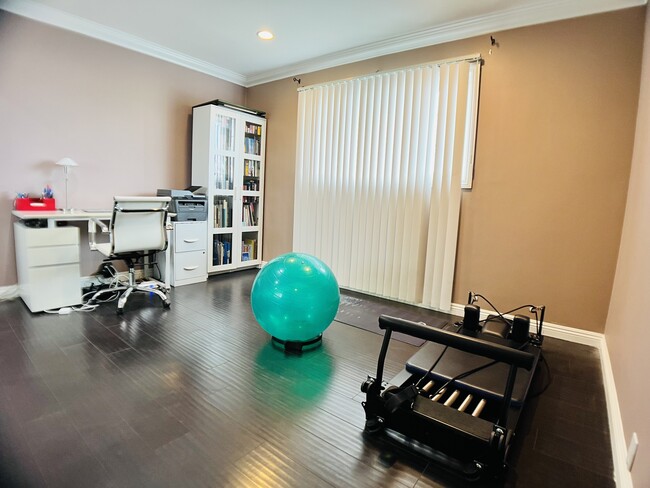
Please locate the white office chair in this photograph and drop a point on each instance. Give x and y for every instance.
(138, 229)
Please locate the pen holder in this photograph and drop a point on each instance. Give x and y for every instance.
(35, 204)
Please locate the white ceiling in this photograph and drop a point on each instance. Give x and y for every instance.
(218, 37)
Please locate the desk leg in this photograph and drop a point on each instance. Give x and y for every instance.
(167, 258)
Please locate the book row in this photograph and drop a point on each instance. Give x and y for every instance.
(251, 168)
(249, 212)
(248, 249)
(254, 129)
(221, 253)
(252, 145)
(222, 213)
(223, 173)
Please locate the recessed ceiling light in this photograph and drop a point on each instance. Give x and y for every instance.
(265, 35)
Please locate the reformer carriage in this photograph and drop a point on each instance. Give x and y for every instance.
(459, 398)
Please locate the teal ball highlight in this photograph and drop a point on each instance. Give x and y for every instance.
(295, 297)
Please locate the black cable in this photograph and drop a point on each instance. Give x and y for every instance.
(472, 371)
(533, 308)
(437, 360)
(502, 315)
(493, 307)
(431, 368)
(464, 375)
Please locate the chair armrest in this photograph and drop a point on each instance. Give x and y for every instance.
(92, 231)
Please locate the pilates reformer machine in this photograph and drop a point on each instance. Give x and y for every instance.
(459, 398)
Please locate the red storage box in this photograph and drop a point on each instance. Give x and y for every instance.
(35, 204)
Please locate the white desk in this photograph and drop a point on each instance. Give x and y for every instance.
(53, 216)
(47, 258)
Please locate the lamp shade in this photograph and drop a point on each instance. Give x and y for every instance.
(67, 162)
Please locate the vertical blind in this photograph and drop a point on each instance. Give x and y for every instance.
(380, 163)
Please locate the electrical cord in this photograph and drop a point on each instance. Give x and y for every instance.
(472, 298)
(417, 385)
(539, 319)
(467, 373)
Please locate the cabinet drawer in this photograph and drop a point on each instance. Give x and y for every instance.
(190, 265)
(47, 237)
(48, 287)
(48, 256)
(192, 236)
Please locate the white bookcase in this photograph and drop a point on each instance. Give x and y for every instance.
(228, 147)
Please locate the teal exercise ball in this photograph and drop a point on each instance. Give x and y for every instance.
(295, 297)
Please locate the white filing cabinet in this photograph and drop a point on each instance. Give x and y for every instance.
(188, 260)
(47, 262)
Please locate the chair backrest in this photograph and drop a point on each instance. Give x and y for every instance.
(139, 224)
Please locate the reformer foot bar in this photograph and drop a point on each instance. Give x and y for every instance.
(465, 422)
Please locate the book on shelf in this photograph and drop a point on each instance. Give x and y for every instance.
(249, 212)
(222, 213)
(221, 253)
(217, 258)
(251, 168)
(252, 145)
(248, 249)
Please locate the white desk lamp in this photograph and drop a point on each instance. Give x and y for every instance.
(66, 163)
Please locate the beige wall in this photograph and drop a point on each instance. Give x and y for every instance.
(556, 127)
(627, 330)
(123, 116)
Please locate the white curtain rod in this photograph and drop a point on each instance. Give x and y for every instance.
(469, 58)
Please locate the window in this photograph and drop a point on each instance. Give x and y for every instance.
(380, 164)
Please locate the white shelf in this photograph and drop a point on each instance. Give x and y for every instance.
(212, 165)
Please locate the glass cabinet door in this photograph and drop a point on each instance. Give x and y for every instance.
(225, 126)
(228, 159)
(251, 174)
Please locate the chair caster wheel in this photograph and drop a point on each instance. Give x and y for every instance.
(120, 311)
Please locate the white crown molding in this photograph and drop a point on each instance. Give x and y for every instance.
(549, 11)
(58, 18)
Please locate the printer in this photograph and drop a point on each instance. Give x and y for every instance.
(187, 205)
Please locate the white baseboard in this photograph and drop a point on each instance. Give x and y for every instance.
(622, 475)
(8, 292)
(556, 331)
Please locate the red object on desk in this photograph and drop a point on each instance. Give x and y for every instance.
(35, 204)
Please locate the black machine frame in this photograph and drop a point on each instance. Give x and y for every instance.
(470, 445)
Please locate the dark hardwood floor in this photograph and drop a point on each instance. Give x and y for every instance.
(197, 396)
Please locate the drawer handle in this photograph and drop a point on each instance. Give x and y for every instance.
(189, 268)
(190, 240)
